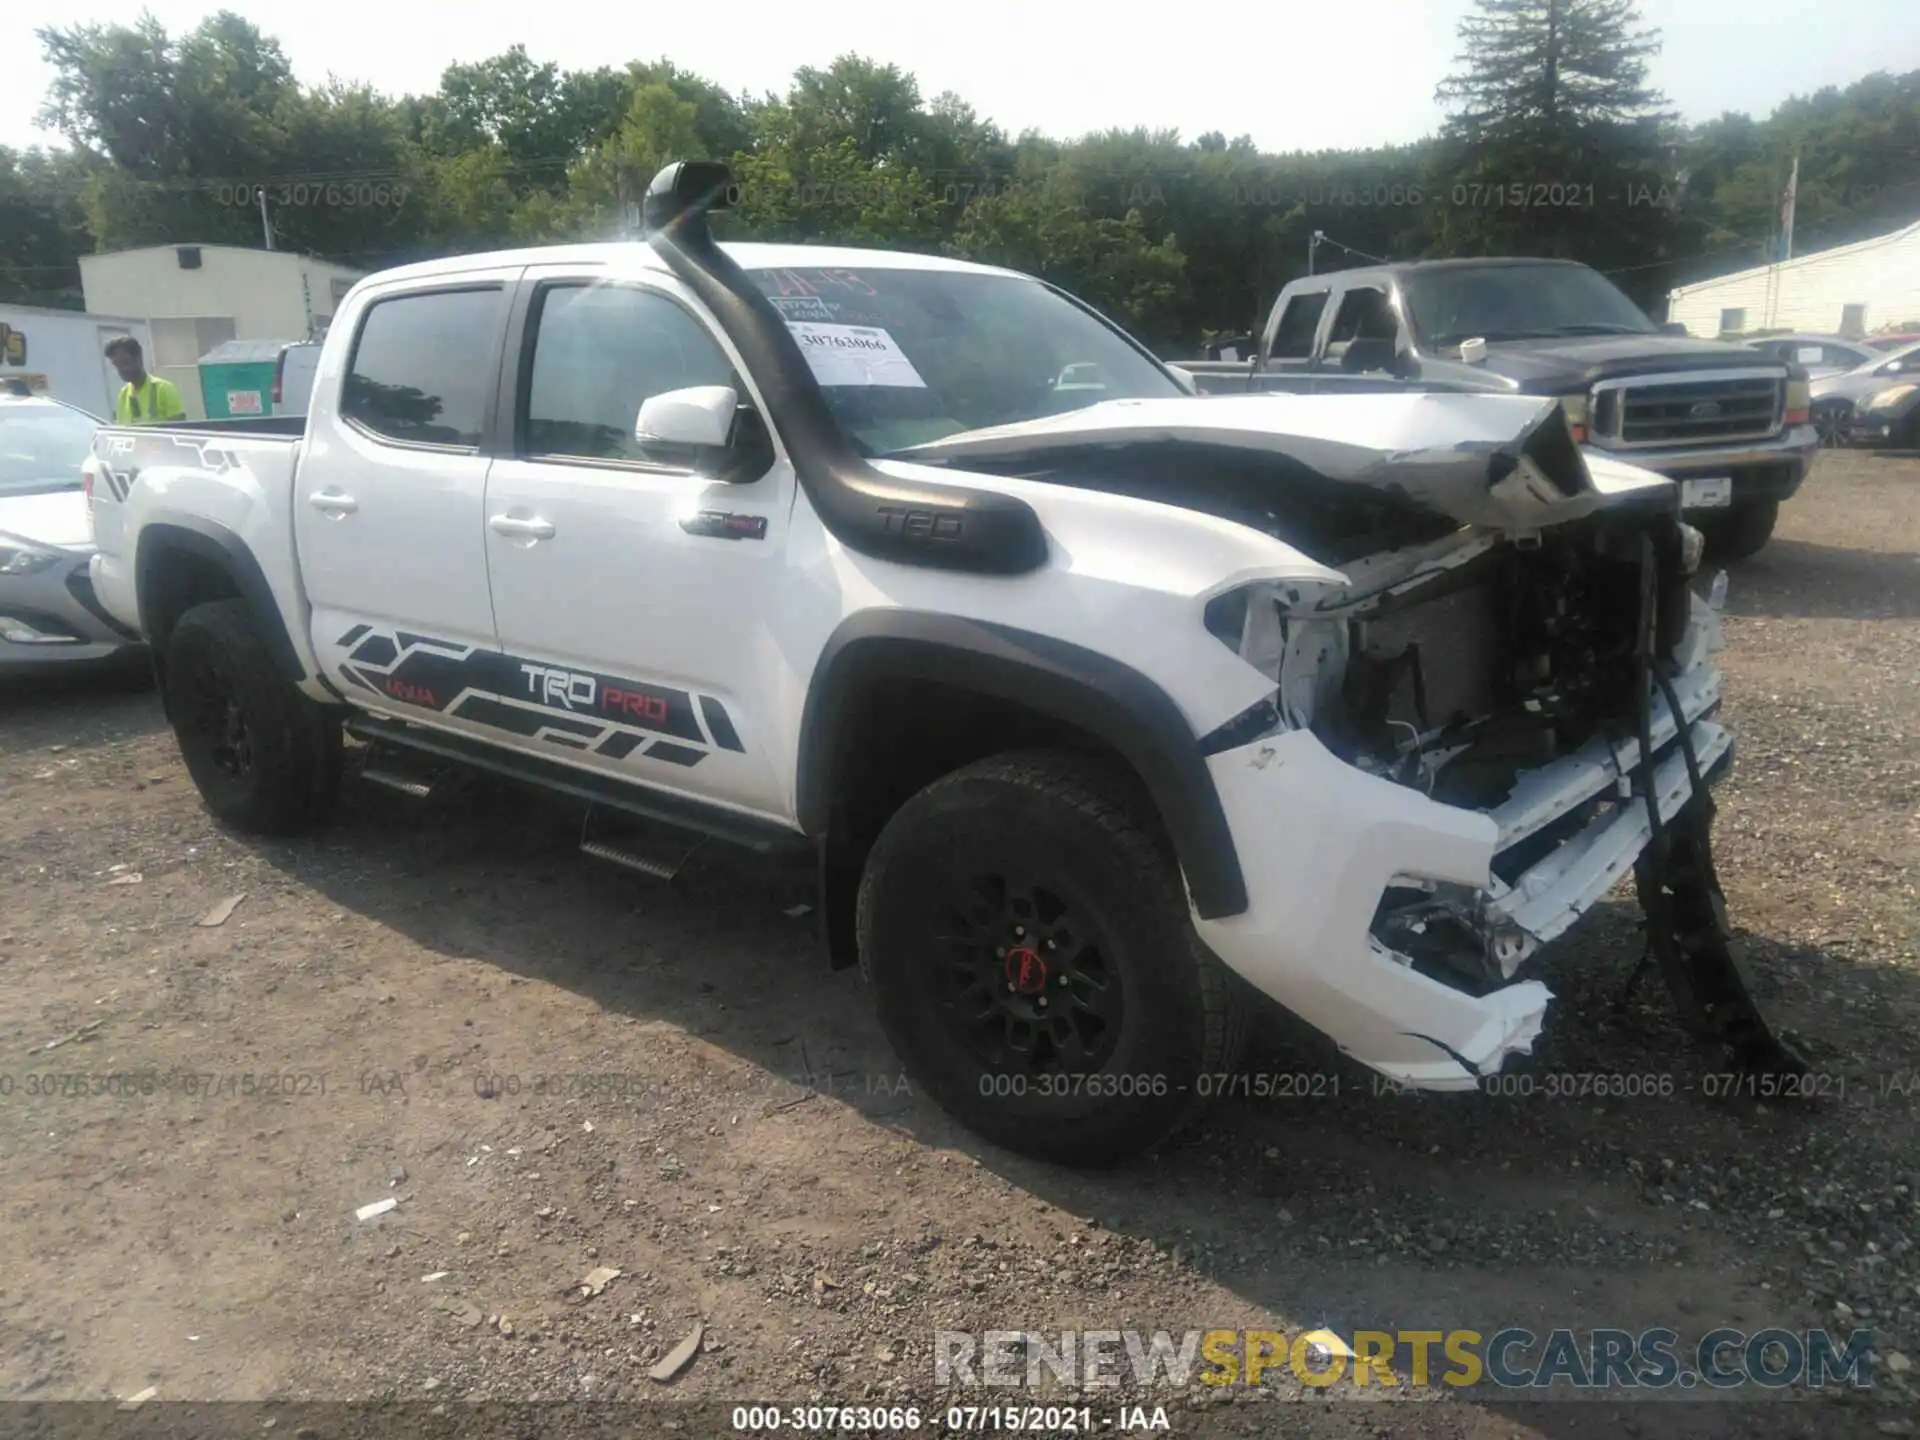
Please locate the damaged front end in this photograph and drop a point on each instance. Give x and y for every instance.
(1503, 705)
(1469, 745)
(1504, 711)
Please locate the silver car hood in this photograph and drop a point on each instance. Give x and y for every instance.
(48, 517)
(1501, 461)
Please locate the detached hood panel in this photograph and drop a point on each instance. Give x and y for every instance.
(1504, 462)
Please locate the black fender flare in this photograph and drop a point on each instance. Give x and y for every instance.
(1095, 693)
(206, 540)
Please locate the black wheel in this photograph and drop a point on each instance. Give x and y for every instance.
(1743, 531)
(1830, 422)
(265, 758)
(1025, 930)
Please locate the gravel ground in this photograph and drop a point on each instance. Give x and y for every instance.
(553, 1068)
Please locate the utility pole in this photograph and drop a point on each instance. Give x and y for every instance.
(1313, 244)
(266, 225)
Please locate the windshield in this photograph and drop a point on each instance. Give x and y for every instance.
(42, 447)
(906, 357)
(1517, 302)
(1905, 354)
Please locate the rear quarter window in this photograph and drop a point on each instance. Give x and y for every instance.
(420, 373)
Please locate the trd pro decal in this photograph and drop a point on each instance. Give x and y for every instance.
(572, 709)
(123, 457)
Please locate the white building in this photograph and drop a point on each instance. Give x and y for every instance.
(1850, 290)
(197, 297)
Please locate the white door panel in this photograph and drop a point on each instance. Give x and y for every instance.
(663, 632)
(390, 497)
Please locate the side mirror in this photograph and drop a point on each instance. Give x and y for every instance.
(700, 416)
(1673, 327)
(1184, 379)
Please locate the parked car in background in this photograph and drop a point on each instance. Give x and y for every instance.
(1896, 341)
(47, 608)
(1889, 417)
(1835, 397)
(1818, 355)
(1729, 425)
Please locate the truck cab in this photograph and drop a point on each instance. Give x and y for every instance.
(1732, 427)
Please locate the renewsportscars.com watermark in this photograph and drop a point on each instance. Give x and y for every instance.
(1509, 1359)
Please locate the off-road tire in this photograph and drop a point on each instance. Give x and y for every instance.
(1074, 826)
(1744, 531)
(272, 766)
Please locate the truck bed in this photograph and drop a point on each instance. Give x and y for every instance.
(290, 427)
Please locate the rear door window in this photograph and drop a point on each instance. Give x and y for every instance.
(420, 372)
(1299, 323)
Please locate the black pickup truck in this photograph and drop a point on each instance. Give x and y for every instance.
(1730, 425)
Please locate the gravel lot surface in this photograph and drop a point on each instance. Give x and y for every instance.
(554, 1067)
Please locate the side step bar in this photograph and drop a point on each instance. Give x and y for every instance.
(762, 837)
(645, 852)
(393, 780)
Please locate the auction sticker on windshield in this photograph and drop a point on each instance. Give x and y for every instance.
(854, 355)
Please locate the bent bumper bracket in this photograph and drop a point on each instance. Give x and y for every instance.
(1688, 935)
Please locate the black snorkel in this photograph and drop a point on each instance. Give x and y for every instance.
(949, 527)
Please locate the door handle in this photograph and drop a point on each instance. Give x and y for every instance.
(333, 503)
(535, 529)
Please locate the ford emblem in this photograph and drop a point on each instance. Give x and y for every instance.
(1705, 410)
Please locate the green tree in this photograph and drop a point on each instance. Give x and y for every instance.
(42, 226)
(183, 134)
(1041, 223)
(1555, 143)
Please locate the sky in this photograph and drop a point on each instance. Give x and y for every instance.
(1295, 76)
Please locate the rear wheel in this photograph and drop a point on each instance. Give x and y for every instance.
(1743, 531)
(1025, 930)
(264, 757)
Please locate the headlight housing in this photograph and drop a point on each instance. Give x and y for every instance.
(1799, 401)
(24, 557)
(1891, 397)
(1575, 409)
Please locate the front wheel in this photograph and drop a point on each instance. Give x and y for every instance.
(1744, 531)
(1830, 422)
(264, 757)
(1024, 928)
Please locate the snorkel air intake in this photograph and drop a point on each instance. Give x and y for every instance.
(949, 527)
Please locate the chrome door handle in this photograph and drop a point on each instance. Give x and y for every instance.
(529, 529)
(333, 503)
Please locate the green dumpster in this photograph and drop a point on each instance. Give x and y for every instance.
(236, 379)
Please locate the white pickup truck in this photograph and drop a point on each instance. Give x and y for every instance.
(1105, 708)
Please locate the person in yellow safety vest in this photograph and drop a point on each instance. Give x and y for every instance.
(144, 399)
